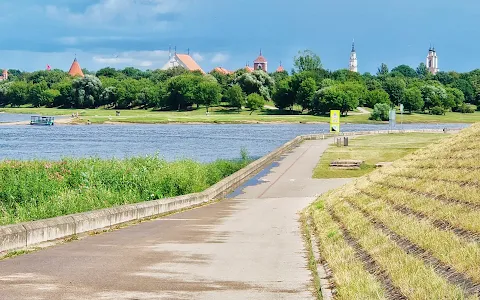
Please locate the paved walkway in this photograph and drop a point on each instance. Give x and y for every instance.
(246, 247)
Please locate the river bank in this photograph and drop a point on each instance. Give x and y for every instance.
(219, 116)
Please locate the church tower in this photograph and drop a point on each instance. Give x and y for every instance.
(353, 66)
(432, 61)
(260, 63)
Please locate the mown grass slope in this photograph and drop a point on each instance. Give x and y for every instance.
(407, 231)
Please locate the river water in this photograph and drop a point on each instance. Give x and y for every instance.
(200, 142)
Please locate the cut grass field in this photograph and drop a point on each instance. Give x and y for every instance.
(372, 149)
(407, 231)
(223, 115)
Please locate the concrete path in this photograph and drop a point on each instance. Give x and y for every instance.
(246, 247)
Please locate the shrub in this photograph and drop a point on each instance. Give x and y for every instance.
(437, 110)
(380, 112)
(466, 109)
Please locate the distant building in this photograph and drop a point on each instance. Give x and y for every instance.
(432, 61)
(4, 75)
(182, 60)
(260, 63)
(222, 71)
(280, 68)
(75, 69)
(353, 65)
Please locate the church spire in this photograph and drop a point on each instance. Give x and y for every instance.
(353, 45)
(353, 64)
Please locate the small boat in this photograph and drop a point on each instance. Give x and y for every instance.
(44, 121)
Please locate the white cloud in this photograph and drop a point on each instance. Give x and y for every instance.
(119, 14)
(197, 56)
(220, 58)
(31, 61)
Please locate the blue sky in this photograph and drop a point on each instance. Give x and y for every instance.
(229, 33)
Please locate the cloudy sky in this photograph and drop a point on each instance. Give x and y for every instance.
(229, 33)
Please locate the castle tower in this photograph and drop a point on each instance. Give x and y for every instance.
(432, 61)
(260, 63)
(353, 66)
(5, 74)
(75, 69)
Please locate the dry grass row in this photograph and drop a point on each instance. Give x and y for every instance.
(349, 275)
(455, 214)
(407, 272)
(444, 245)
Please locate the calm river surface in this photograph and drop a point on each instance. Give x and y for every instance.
(200, 142)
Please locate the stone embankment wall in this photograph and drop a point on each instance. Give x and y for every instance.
(28, 234)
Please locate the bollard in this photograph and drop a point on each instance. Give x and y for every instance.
(345, 141)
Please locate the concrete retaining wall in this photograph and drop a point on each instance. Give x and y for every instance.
(30, 233)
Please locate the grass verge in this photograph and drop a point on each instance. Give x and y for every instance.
(372, 149)
(33, 190)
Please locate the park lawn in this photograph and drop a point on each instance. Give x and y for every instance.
(372, 149)
(225, 115)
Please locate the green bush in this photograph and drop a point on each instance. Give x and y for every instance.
(33, 190)
(437, 110)
(380, 112)
(466, 109)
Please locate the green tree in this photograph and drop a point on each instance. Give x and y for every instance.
(455, 97)
(433, 96)
(335, 97)
(257, 82)
(208, 93)
(422, 71)
(466, 87)
(377, 96)
(48, 97)
(4, 93)
(18, 93)
(306, 92)
(255, 102)
(405, 70)
(86, 91)
(395, 87)
(235, 97)
(380, 112)
(307, 60)
(382, 70)
(412, 99)
(283, 95)
(35, 94)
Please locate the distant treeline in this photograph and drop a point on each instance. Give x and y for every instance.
(308, 87)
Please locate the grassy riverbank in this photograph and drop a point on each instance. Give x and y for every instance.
(410, 230)
(372, 149)
(33, 190)
(223, 115)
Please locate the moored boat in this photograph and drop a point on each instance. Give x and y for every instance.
(44, 121)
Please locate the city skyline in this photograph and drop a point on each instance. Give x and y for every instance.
(138, 33)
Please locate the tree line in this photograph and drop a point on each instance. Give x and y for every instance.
(308, 88)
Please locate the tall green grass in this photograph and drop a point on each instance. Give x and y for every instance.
(33, 190)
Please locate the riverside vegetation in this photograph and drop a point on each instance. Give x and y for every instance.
(33, 190)
(407, 231)
(307, 93)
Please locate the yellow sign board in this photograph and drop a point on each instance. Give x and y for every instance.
(334, 121)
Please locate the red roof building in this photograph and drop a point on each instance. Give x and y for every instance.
(183, 60)
(75, 69)
(222, 71)
(260, 63)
